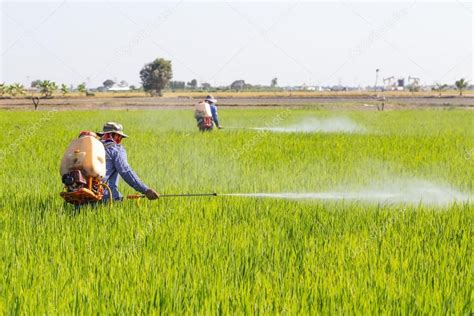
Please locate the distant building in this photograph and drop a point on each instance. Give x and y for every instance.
(313, 88)
(122, 86)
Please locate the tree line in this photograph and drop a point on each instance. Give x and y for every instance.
(45, 87)
(157, 76)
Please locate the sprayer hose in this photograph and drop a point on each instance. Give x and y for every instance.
(108, 190)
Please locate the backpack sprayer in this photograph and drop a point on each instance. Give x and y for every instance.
(203, 115)
(82, 170)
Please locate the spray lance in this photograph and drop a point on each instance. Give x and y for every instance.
(140, 196)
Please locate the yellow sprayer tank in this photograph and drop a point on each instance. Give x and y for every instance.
(86, 154)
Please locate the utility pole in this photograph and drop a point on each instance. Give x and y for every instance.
(376, 78)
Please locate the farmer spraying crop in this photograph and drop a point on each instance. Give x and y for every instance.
(206, 114)
(91, 167)
(117, 164)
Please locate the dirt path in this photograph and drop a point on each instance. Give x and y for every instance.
(158, 103)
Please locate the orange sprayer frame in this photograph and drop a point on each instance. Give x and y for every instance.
(86, 195)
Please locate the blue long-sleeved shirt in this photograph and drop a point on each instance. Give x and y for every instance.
(117, 164)
(214, 114)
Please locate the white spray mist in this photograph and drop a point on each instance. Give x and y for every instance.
(314, 125)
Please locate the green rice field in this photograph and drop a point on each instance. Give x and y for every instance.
(318, 212)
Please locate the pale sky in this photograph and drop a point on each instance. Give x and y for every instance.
(299, 42)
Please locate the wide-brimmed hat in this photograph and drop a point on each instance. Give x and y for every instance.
(111, 127)
(211, 99)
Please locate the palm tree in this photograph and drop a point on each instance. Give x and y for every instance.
(461, 84)
(47, 88)
(14, 89)
(9, 89)
(18, 89)
(440, 87)
(64, 89)
(82, 88)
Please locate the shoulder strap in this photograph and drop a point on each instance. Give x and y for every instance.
(108, 143)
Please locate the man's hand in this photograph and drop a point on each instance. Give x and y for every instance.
(152, 194)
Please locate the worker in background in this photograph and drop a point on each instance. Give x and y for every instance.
(203, 116)
(212, 103)
(117, 164)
